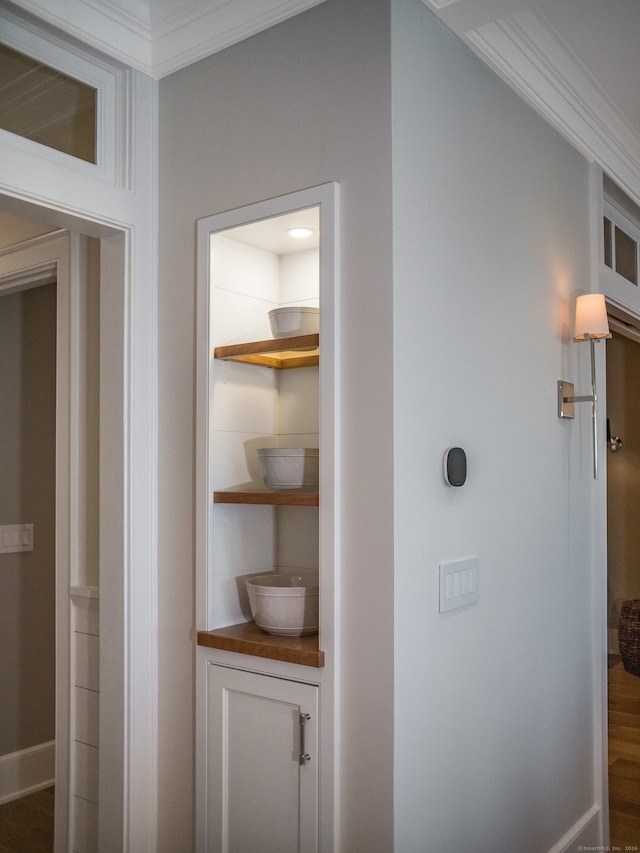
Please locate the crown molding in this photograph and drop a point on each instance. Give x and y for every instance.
(194, 31)
(200, 31)
(102, 27)
(527, 52)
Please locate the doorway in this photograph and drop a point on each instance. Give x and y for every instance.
(27, 562)
(63, 269)
(623, 575)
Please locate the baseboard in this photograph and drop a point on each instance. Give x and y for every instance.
(583, 835)
(27, 770)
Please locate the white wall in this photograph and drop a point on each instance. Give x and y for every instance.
(301, 104)
(493, 703)
(493, 731)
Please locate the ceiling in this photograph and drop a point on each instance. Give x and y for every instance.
(272, 234)
(576, 61)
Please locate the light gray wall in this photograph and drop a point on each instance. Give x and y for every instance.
(27, 494)
(303, 103)
(493, 720)
(493, 703)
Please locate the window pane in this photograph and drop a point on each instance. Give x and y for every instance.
(626, 256)
(607, 242)
(42, 104)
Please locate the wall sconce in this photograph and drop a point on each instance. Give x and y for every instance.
(591, 325)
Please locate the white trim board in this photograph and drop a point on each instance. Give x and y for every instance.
(34, 277)
(26, 771)
(582, 835)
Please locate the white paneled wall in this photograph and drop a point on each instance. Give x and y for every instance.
(85, 694)
(298, 538)
(252, 407)
(299, 276)
(246, 285)
(298, 410)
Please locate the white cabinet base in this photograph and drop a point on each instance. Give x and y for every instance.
(260, 797)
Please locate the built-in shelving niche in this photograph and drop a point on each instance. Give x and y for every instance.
(241, 527)
(262, 392)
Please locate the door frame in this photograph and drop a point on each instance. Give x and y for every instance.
(625, 299)
(128, 518)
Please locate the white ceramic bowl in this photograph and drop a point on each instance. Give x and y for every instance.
(285, 604)
(294, 320)
(289, 467)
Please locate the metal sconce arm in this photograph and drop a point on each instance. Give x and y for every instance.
(566, 399)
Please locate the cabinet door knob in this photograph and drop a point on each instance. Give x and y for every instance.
(304, 756)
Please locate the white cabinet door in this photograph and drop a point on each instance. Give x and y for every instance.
(261, 798)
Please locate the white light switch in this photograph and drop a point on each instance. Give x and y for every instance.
(459, 583)
(16, 537)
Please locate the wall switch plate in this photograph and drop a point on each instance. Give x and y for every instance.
(459, 583)
(16, 537)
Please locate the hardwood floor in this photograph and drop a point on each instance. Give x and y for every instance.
(624, 756)
(26, 825)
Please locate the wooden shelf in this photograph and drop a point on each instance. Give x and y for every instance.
(264, 497)
(248, 639)
(280, 353)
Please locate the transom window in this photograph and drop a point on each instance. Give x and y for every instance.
(621, 235)
(64, 102)
(41, 103)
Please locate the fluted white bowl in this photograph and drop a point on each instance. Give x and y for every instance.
(285, 604)
(294, 320)
(289, 467)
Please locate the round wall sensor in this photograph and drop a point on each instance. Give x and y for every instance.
(454, 466)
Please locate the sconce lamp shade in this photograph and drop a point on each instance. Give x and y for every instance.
(591, 317)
